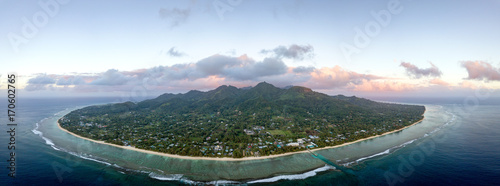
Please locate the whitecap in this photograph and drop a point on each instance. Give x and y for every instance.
(294, 176)
(406, 143)
(387, 151)
(375, 155)
(87, 158)
(222, 182)
(37, 132)
(169, 177)
(180, 177)
(48, 141)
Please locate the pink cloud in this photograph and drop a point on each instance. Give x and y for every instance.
(469, 85)
(336, 77)
(383, 85)
(481, 70)
(438, 81)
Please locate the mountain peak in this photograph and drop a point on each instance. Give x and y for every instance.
(221, 87)
(223, 92)
(194, 92)
(264, 85)
(300, 89)
(225, 87)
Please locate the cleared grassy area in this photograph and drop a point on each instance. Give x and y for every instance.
(280, 132)
(195, 138)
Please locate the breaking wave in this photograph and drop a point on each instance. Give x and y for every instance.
(181, 178)
(294, 176)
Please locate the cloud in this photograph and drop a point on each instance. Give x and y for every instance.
(437, 81)
(229, 68)
(40, 82)
(337, 77)
(268, 67)
(36, 87)
(469, 84)
(42, 79)
(111, 77)
(220, 64)
(416, 72)
(481, 70)
(302, 69)
(44, 82)
(383, 86)
(174, 53)
(297, 52)
(174, 16)
(70, 80)
(208, 73)
(239, 68)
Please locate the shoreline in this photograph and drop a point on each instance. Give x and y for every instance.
(234, 159)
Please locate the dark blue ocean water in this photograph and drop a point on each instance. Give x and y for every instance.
(464, 151)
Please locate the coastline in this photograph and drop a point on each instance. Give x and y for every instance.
(233, 159)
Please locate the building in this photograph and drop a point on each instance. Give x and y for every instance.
(249, 132)
(293, 144)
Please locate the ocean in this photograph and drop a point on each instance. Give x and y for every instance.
(456, 144)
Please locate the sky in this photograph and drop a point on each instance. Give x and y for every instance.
(143, 49)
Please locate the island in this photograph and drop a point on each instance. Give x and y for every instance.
(237, 123)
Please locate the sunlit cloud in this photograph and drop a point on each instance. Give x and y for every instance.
(437, 81)
(337, 77)
(481, 70)
(469, 84)
(383, 86)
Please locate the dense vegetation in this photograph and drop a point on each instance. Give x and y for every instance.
(232, 122)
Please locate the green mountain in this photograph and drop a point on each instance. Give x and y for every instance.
(256, 121)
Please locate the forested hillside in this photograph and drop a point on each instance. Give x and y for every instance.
(232, 122)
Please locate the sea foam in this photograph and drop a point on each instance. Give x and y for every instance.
(294, 176)
(181, 178)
